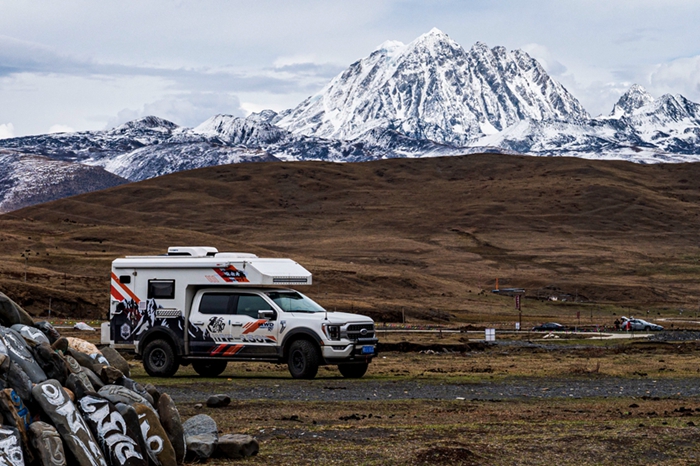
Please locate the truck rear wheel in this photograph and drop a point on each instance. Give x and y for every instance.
(303, 360)
(209, 368)
(353, 371)
(159, 359)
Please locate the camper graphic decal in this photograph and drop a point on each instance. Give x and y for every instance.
(231, 274)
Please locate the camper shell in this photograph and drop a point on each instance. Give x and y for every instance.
(201, 306)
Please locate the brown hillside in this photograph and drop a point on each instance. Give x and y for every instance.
(423, 235)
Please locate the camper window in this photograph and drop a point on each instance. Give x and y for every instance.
(216, 303)
(161, 289)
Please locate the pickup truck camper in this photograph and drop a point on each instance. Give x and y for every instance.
(195, 305)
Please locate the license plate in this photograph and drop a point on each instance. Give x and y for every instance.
(368, 350)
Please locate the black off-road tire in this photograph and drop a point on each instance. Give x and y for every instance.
(209, 368)
(353, 371)
(303, 360)
(160, 360)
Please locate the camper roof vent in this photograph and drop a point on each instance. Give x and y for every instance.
(192, 251)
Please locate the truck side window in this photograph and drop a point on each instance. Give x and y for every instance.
(216, 303)
(161, 289)
(250, 304)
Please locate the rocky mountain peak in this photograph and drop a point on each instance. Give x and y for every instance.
(635, 98)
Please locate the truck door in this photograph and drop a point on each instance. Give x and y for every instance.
(254, 337)
(209, 325)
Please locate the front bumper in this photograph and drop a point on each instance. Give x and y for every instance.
(357, 351)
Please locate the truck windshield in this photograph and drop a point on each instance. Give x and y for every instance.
(292, 301)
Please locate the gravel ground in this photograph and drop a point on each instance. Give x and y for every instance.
(512, 388)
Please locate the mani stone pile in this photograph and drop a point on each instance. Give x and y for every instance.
(63, 401)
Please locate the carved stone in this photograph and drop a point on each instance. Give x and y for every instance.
(110, 429)
(154, 434)
(117, 360)
(134, 426)
(10, 447)
(16, 415)
(70, 425)
(119, 394)
(52, 363)
(20, 354)
(31, 334)
(48, 330)
(47, 444)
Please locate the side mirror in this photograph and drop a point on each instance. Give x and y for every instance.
(266, 315)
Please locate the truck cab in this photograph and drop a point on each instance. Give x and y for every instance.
(201, 307)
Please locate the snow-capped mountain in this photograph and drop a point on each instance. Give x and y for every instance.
(29, 179)
(434, 89)
(427, 98)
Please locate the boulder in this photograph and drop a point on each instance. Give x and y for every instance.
(52, 399)
(60, 345)
(117, 360)
(83, 346)
(19, 353)
(134, 426)
(4, 363)
(48, 330)
(110, 429)
(10, 447)
(47, 444)
(201, 436)
(110, 375)
(237, 446)
(153, 391)
(84, 360)
(218, 401)
(52, 363)
(119, 394)
(80, 386)
(32, 334)
(155, 436)
(171, 422)
(93, 378)
(12, 313)
(19, 381)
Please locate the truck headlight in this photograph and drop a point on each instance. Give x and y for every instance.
(332, 331)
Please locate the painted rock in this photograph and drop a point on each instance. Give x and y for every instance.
(52, 363)
(20, 354)
(17, 416)
(84, 360)
(138, 388)
(110, 375)
(117, 360)
(48, 330)
(70, 425)
(19, 381)
(201, 435)
(32, 334)
(79, 385)
(237, 446)
(134, 426)
(119, 394)
(10, 447)
(171, 422)
(110, 429)
(154, 434)
(12, 313)
(47, 444)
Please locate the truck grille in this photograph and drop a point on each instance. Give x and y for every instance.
(355, 331)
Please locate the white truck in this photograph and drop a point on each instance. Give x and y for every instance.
(195, 305)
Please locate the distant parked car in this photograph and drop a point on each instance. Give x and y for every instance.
(640, 324)
(549, 327)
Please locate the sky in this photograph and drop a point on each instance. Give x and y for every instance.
(80, 65)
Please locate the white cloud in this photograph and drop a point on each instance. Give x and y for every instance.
(7, 130)
(545, 58)
(680, 76)
(61, 129)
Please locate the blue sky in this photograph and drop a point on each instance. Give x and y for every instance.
(81, 64)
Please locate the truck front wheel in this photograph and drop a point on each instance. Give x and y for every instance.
(353, 371)
(209, 368)
(159, 359)
(303, 360)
